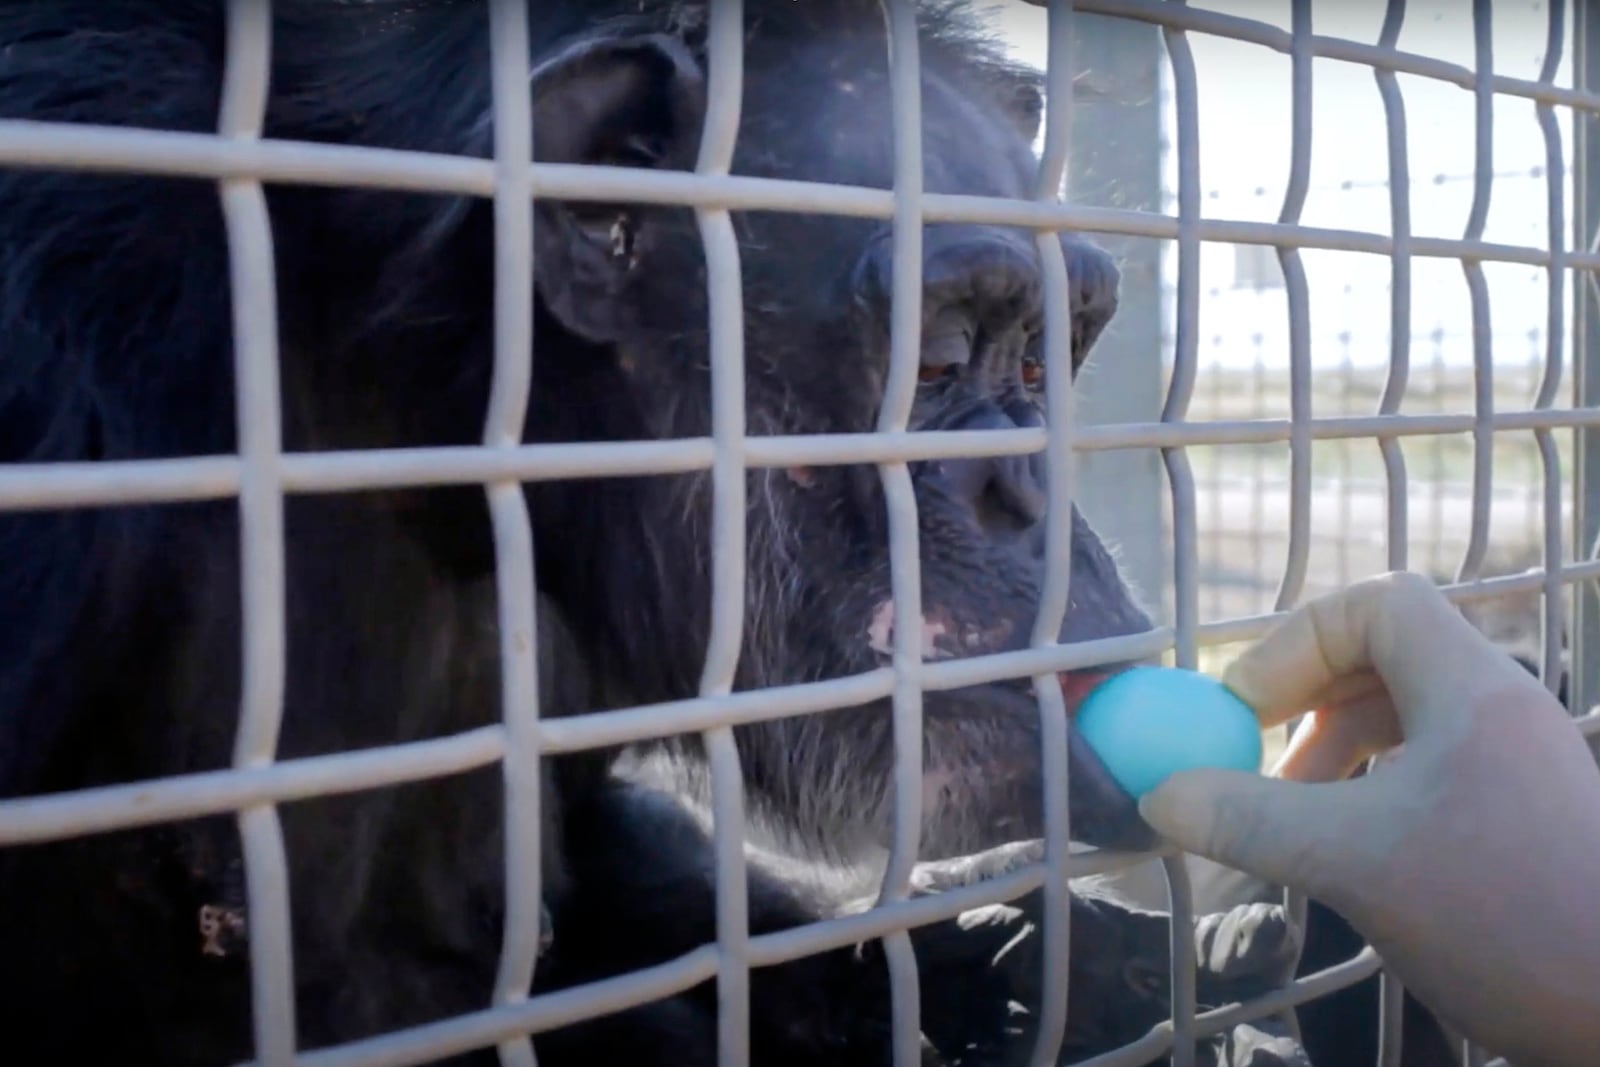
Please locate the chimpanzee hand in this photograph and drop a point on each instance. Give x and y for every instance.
(1259, 1044)
(1463, 858)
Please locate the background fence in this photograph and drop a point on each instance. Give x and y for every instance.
(1459, 171)
(1124, 158)
(1292, 342)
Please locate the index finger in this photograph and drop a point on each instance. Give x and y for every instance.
(1398, 626)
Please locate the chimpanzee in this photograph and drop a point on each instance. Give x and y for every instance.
(120, 626)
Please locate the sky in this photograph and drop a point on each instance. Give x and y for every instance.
(1245, 143)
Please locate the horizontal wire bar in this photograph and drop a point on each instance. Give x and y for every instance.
(1357, 968)
(1127, 223)
(1269, 431)
(481, 1029)
(601, 729)
(784, 946)
(1229, 631)
(37, 145)
(458, 1034)
(575, 1004)
(26, 820)
(27, 486)
(89, 147)
(40, 818)
(1159, 1040)
(1254, 31)
(112, 483)
(885, 918)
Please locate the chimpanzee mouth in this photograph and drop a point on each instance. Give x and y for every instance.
(1104, 814)
(1076, 685)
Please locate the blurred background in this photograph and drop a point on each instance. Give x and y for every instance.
(1124, 156)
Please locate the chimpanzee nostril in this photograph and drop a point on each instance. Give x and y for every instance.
(1006, 494)
(1002, 491)
(994, 269)
(1095, 288)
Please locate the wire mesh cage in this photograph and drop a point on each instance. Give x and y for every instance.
(1267, 407)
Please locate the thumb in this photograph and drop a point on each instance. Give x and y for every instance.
(1290, 833)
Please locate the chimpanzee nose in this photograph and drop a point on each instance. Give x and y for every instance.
(1005, 493)
(997, 271)
(994, 272)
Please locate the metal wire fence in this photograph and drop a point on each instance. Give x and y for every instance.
(1244, 490)
(262, 474)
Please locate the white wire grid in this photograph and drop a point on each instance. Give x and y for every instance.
(261, 474)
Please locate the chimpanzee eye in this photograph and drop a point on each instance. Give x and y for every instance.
(1032, 371)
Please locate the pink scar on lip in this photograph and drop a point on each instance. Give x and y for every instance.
(880, 633)
(942, 636)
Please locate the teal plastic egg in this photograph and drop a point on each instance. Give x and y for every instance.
(1149, 722)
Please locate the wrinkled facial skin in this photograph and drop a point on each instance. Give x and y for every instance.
(816, 304)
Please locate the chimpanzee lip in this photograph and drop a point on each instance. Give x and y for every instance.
(1078, 684)
(1119, 826)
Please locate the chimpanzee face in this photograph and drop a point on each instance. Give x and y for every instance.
(632, 281)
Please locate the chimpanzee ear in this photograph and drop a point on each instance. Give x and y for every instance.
(627, 100)
(619, 101)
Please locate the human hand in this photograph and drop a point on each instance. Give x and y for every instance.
(1468, 859)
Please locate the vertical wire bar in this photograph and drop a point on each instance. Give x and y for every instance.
(246, 81)
(1549, 455)
(725, 294)
(1180, 476)
(513, 532)
(1583, 665)
(1391, 994)
(1391, 1019)
(1394, 389)
(1482, 338)
(1060, 421)
(1186, 330)
(1298, 299)
(1478, 290)
(905, 565)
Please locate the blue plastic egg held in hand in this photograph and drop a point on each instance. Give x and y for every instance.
(1147, 722)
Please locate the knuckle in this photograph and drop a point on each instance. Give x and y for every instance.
(1405, 585)
(1371, 611)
